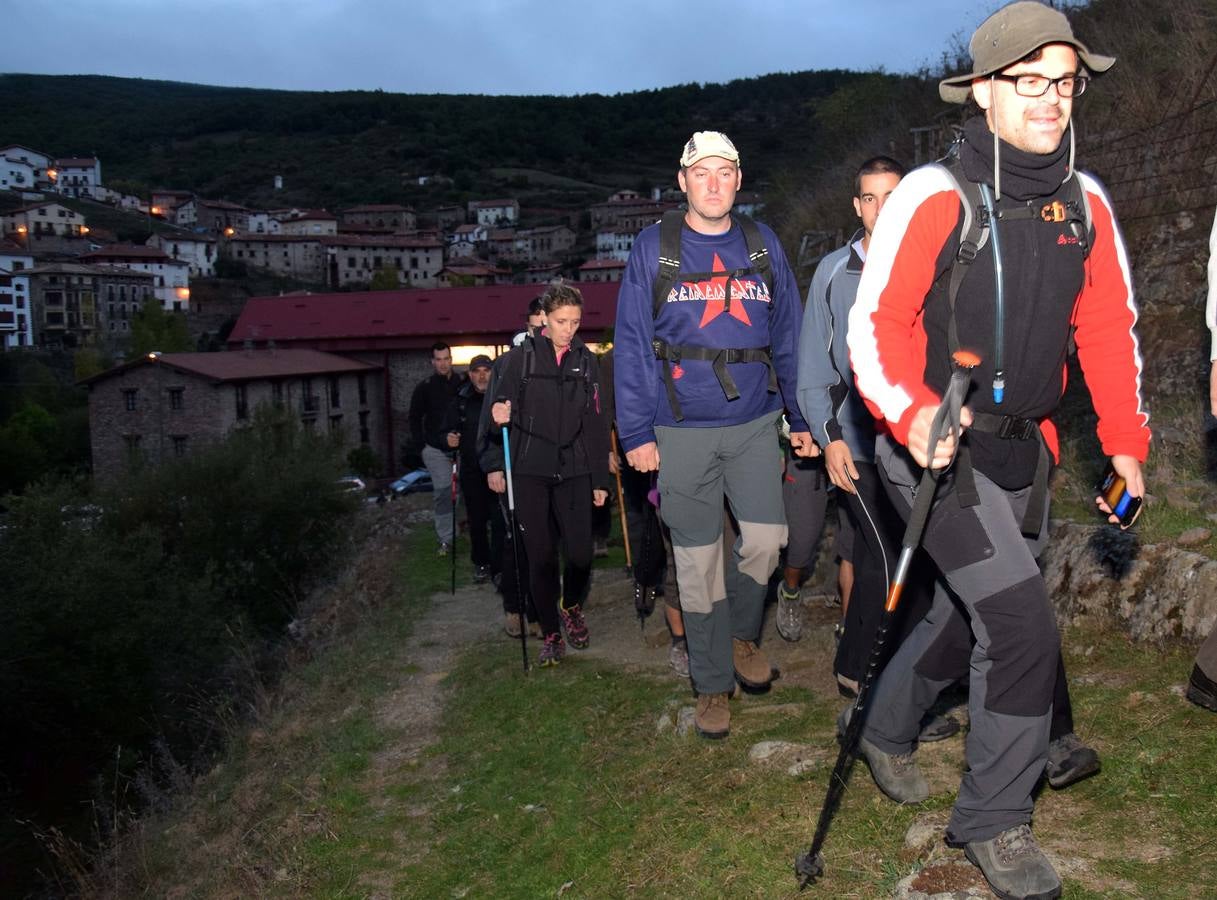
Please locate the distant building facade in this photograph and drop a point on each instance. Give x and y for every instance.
(165, 406)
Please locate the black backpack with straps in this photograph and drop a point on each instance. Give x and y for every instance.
(979, 210)
(760, 263)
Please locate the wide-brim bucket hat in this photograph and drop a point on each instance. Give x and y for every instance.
(1010, 34)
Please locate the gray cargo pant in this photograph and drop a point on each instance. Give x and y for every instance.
(439, 464)
(698, 467)
(997, 596)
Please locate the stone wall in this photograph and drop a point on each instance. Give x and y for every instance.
(1166, 592)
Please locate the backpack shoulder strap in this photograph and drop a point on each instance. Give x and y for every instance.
(758, 253)
(1080, 201)
(669, 258)
(973, 233)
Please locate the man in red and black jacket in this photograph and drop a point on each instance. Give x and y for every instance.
(1041, 276)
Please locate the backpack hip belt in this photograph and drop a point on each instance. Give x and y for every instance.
(719, 357)
(1008, 428)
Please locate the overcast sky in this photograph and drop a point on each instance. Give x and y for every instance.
(476, 46)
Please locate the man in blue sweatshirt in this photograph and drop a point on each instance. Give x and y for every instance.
(705, 344)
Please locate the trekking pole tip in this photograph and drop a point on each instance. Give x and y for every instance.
(807, 868)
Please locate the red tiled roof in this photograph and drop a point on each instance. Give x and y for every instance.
(491, 204)
(320, 215)
(378, 207)
(602, 264)
(30, 208)
(472, 269)
(377, 240)
(76, 162)
(247, 365)
(128, 251)
(466, 229)
(85, 269)
(221, 204)
(7, 246)
(385, 320)
(254, 237)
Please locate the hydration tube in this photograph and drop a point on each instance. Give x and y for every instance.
(999, 305)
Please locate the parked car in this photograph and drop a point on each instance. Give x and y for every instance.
(415, 482)
(352, 484)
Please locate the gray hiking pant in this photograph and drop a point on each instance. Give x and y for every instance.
(439, 464)
(998, 597)
(1206, 659)
(698, 468)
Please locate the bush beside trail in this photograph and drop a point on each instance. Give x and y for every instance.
(140, 618)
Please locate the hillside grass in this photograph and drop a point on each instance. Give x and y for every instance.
(561, 783)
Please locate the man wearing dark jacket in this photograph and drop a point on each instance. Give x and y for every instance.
(486, 527)
(1053, 267)
(428, 410)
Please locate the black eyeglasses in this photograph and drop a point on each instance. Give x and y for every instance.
(1037, 85)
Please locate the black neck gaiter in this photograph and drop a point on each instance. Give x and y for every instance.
(1024, 175)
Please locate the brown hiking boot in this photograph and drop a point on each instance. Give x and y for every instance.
(511, 624)
(752, 667)
(712, 717)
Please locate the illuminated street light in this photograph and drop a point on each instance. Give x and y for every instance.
(183, 293)
(229, 231)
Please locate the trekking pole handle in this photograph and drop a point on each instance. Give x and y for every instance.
(511, 494)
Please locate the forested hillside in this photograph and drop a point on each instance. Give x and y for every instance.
(363, 146)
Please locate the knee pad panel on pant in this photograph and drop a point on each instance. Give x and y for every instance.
(948, 656)
(1024, 649)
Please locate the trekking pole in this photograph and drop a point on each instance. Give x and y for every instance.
(641, 606)
(810, 865)
(515, 548)
(625, 528)
(452, 552)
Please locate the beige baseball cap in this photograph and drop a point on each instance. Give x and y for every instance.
(708, 143)
(1011, 33)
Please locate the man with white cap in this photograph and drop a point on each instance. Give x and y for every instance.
(1043, 261)
(705, 344)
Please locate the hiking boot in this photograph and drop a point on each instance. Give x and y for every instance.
(552, 651)
(752, 668)
(678, 657)
(789, 618)
(937, 728)
(444, 549)
(1070, 760)
(511, 624)
(481, 574)
(712, 717)
(599, 549)
(896, 774)
(576, 627)
(534, 629)
(1014, 865)
(1202, 690)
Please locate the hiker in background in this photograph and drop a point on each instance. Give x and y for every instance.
(428, 411)
(845, 429)
(1052, 265)
(648, 537)
(805, 500)
(534, 321)
(1202, 684)
(486, 527)
(705, 349)
(547, 391)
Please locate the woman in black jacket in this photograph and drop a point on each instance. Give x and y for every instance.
(547, 392)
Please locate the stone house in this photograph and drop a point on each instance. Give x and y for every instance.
(386, 217)
(352, 260)
(297, 255)
(164, 406)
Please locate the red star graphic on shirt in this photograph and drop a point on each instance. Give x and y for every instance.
(717, 287)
